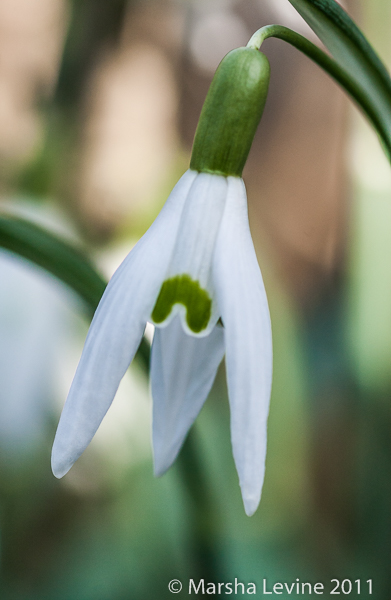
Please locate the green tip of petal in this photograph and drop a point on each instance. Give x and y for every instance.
(182, 289)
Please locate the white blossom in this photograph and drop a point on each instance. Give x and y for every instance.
(195, 275)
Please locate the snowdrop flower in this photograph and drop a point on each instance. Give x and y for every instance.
(195, 275)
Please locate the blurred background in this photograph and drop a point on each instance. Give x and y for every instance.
(99, 101)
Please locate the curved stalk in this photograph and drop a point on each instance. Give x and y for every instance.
(328, 64)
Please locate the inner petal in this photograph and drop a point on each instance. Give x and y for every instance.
(187, 289)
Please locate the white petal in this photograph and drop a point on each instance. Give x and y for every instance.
(183, 369)
(200, 221)
(242, 300)
(193, 252)
(116, 331)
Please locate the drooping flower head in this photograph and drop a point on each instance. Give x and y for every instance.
(195, 275)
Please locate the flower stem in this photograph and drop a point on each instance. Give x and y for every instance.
(204, 520)
(328, 64)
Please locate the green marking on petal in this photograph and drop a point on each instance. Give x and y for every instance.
(182, 289)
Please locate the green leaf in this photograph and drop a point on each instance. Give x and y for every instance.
(54, 255)
(354, 54)
(61, 259)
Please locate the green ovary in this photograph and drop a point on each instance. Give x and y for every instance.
(182, 289)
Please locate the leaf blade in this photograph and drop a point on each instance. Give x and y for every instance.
(353, 52)
(62, 260)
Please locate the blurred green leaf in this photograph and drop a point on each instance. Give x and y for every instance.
(61, 259)
(352, 51)
(54, 255)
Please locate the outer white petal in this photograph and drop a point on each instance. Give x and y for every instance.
(183, 369)
(242, 300)
(116, 331)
